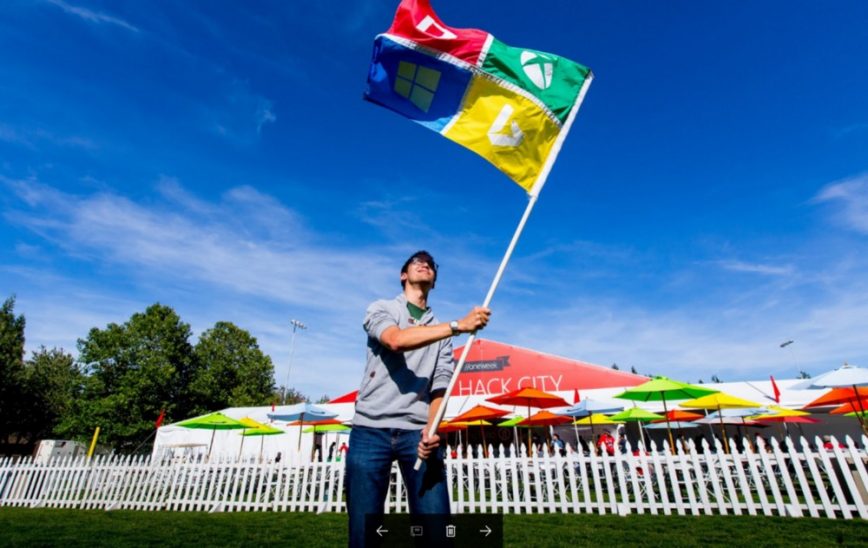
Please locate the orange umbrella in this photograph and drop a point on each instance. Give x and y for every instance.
(529, 397)
(837, 396)
(480, 413)
(545, 418)
(677, 415)
(854, 406)
(857, 395)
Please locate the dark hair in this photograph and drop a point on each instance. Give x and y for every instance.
(424, 256)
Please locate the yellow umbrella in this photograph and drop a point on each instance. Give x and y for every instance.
(778, 412)
(719, 401)
(256, 428)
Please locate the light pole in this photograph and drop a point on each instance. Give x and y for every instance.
(295, 326)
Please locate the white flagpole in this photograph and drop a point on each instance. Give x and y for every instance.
(533, 194)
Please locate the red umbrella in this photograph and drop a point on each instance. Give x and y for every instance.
(677, 415)
(545, 418)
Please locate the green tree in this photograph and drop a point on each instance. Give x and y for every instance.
(232, 370)
(134, 371)
(11, 369)
(292, 396)
(52, 382)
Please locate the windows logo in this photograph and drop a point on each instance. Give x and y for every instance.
(417, 84)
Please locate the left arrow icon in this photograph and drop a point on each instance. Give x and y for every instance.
(380, 530)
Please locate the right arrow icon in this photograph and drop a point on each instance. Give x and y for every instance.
(487, 530)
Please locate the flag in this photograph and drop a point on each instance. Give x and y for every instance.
(776, 390)
(576, 397)
(159, 421)
(512, 106)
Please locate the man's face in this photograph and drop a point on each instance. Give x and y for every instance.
(419, 271)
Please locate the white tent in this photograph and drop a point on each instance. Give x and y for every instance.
(178, 442)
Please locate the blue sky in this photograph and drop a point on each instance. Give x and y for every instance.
(710, 203)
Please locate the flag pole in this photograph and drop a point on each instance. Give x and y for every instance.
(533, 194)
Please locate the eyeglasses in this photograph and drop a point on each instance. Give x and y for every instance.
(424, 262)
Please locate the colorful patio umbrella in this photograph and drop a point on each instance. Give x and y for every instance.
(256, 428)
(855, 406)
(676, 425)
(637, 415)
(680, 415)
(213, 421)
(544, 418)
(849, 377)
(529, 397)
(589, 406)
(480, 412)
(720, 401)
(845, 376)
(300, 412)
(664, 389)
(513, 423)
(253, 427)
(323, 428)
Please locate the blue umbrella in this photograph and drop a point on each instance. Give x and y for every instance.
(589, 406)
(301, 412)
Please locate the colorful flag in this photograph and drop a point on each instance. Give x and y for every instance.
(576, 397)
(512, 106)
(159, 421)
(776, 390)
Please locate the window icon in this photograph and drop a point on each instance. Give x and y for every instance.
(417, 84)
(415, 530)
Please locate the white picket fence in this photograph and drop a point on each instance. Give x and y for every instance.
(791, 480)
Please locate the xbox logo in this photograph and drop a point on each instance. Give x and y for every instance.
(538, 68)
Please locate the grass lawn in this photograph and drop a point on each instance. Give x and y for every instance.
(51, 527)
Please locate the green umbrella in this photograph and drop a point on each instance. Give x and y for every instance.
(663, 389)
(255, 428)
(513, 423)
(637, 415)
(320, 428)
(214, 422)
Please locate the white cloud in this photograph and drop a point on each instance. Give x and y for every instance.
(245, 257)
(92, 16)
(757, 268)
(849, 197)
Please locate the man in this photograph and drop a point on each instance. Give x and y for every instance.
(558, 445)
(408, 369)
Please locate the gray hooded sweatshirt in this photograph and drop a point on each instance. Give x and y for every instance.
(396, 389)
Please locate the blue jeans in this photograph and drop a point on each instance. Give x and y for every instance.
(369, 465)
